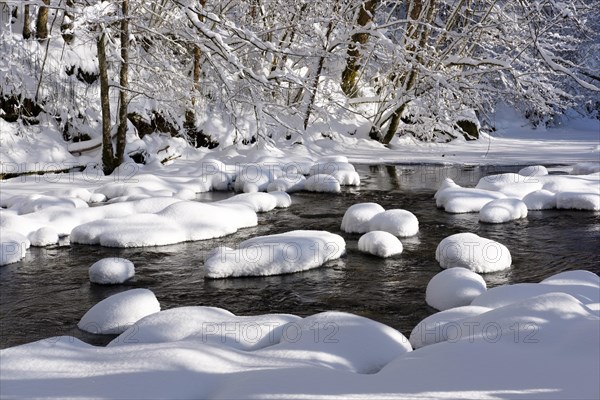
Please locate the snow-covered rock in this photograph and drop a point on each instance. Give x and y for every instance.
(456, 199)
(443, 325)
(503, 210)
(283, 200)
(331, 167)
(398, 222)
(578, 201)
(540, 200)
(473, 252)
(118, 312)
(380, 243)
(13, 247)
(534, 170)
(287, 183)
(454, 287)
(212, 325)
(111, 270)
(257, 201)
(275, 254)
(357, 217)
(322, 183)
(347, 178)
(44, 236)
(510, 184)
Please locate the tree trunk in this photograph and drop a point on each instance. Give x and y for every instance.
(41, 26)
(123, 83)
(26, 22)
(350, 73)
(108, 159)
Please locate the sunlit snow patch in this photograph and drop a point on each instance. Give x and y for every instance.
(503, 210)
(454, 287)
(357, 216)
(322, 183)
(112, 270)
(379, 243)
(118, 312)
(473, 252)
(540, 200)
(457, 199)
(398, 222)
(275, 254)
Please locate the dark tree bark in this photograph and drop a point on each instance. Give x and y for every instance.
(123, 83)
(41, 26)
(108, 159)
(350, 73)
(26, 22)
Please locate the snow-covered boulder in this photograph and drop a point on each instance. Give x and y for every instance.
(398, 222)
(457, 199)
(111, 270)
(503, 210)
(540, 200)
(275, 254)
(510, 184)
(254, 176)
(345, 342)
(287, 183)
(578, 201)
(347, 178)
(210, 325)
(380, 244)
(443, 326)
(259, 202)
(13, 247)
(322, 183)
(44, 236)
(454, 287)
(357, 217)
(534, 170)
(283, 200)
(118, 312)
(473, 252)
(331, 167)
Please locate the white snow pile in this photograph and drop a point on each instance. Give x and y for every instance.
(178, 222)
(44, 236)
(13, 247)
(111, 270)
(202, 352)
(585, 168)
(322, 183)
(540, 200)
(357, 217)
(208, 325)
(454, 287)
(534, 170)
(259, 202)
(456, 199)
(28, 203)
(275, 254)
(538, 190)
(326, 172)
(287, 183)
(117, 313)
(398, 222)
(380, 244)
(473, 252)
(503, 210)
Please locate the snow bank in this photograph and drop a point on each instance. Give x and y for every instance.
(44, 236)
(287, 183)
(112, 270)
(322, 183)
(212, 325)
(454, 287)
(357, 216)
(380, 244)
(259, 202)
(457, 199)
(398, 222)
(118, 312)
(473, 252)
(510, 184)
(442, 325)
(275, 254)
(578, 201)
(13, 247)
(503, 210)
(534, 170)
(540, 200)
(585, 168)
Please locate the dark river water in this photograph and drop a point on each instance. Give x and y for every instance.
(48, 292)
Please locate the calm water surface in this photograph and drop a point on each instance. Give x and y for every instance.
(48, 292)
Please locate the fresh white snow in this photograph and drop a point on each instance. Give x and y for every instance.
(473, 252)
(454, 287)
(357, 217)
(380, 244)
(111, 270)
(503, 210)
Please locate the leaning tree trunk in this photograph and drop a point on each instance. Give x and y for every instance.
(350, 73)
(123, 83)
(108, 159)
(26, 22)
(41, 26)
(190, 114)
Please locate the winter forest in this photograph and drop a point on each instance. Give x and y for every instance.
(268, 199)
(221, 73)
